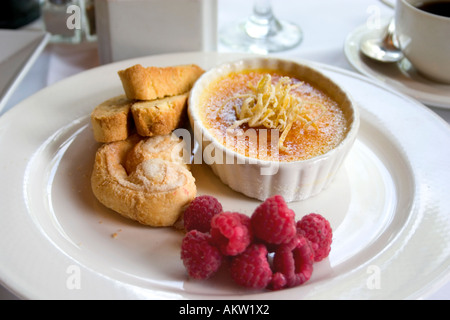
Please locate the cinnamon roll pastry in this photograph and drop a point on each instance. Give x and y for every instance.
(145, 180)
(167, 147)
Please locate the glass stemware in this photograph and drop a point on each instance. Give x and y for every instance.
(262, 32)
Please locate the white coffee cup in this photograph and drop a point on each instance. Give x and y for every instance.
(424, 39)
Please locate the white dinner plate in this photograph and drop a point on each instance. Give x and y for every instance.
(401, 75)
(388, 206)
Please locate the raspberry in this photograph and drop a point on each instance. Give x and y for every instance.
(230, 232)
(199, 213)
(295, 261)
(200, 258)
(273, 222)
(251, 268)
(317, 230)
(278, 281)
(214, 236)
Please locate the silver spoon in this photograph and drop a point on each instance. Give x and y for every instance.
(384, 49)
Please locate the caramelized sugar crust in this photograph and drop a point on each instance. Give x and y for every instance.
(302, 142)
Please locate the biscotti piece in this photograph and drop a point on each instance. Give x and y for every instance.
(159, 117)
(111, 120)
(151, 83)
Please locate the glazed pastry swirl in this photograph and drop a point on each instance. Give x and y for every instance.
(144, 179)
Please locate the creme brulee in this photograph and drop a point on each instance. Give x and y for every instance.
(320, 126)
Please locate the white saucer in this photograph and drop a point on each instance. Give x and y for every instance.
(400, 76)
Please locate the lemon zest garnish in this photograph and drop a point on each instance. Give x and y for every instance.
(273, 106)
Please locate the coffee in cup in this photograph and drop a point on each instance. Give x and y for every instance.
(441, 8)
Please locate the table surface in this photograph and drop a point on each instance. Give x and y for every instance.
(325, 24)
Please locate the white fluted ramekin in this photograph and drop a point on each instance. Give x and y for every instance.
(260, 179)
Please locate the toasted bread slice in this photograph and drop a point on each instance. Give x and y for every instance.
(151, 83)
(111, 120)
(160, 116)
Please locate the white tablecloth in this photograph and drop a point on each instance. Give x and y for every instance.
(325, 24)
